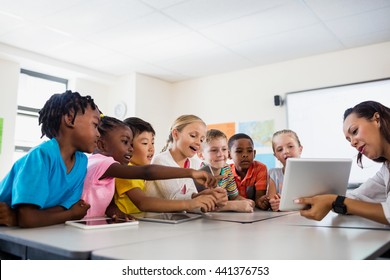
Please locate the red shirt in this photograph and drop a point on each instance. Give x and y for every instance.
(255, 176)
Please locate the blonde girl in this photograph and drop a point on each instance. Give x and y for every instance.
(185, 139)
(285, 144)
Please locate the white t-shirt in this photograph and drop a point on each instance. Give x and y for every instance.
(181, 188)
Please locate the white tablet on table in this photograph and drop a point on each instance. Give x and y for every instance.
(103, 222)
(306, 177)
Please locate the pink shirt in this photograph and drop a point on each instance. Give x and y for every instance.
(98, 193)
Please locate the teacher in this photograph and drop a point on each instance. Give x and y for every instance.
(367, 127)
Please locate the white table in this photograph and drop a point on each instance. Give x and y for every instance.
(333, 220)
(277, 237)
(238, 217)
(267, 239)
(67, 242)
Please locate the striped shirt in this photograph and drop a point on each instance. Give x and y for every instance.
(228, 182)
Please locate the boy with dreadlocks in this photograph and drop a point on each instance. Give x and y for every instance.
(111, 161)
(44, 187)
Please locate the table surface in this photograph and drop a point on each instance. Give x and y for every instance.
(272, 236)
(333, 220)
(269, 239)
(75, 243)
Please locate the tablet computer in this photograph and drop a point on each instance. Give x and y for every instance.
(103, 222)
(306, 177)
(208, 169)
(170, 218)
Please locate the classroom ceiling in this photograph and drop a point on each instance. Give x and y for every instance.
(176, 40)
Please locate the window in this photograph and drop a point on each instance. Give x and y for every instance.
(34, 90)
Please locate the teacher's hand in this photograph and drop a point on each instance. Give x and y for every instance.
(317, 206)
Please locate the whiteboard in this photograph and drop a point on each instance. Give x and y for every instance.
(316, 115)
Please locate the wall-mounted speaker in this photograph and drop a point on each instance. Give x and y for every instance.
(278, 101)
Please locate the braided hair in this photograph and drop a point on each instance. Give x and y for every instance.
(108, 124)
(61, 104)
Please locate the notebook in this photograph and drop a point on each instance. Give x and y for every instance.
(306, 177)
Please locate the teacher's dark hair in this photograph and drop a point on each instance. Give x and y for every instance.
(366, 110)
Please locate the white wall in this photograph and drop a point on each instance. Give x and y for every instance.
(154, 104)
(122, 91)
(9, 76)
(248, 94)
(237, 96)
(98, 92)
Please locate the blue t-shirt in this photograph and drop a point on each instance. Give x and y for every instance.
(41, 178)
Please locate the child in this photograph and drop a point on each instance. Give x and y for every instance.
(185, 140)
(367, 128)
(44, 187)
(129, 195)
(214, 153)
(250, 175)
(114, 151)
(285, 144)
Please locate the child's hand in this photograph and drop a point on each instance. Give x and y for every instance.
(113, 211)
(274, 202)
(8, 216)
(206, 203)
(263, 202)
(79, 209)
(206, 179)
(250, 202)
(219, 194)
(242, 205)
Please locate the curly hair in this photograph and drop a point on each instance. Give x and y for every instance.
(236, 137)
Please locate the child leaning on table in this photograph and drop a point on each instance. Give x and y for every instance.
(184, 142)
(130, 198)
(250, 175)
(285, 144)
(110, 161)
(214, 154)
(44, 186)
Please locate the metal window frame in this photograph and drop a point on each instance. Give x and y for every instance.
(30, 111)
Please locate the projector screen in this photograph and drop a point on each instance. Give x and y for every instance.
(317, 117)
